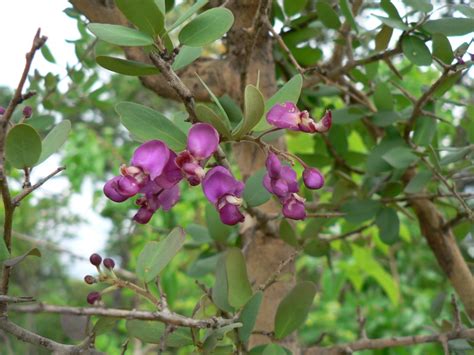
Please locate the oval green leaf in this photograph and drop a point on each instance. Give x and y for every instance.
(120, 35)
(442, 48)
(207, 27)
(54, 140)
(144, 14)
(389, 225)
(248, 316)
(253, 111)
(188, 13)
(416, 50)
(18, 259)
(383, 98)
(126, 67)
(220, 290)
(327, 15)
(450, 26)
(23, 146)
(205, 114)
(152, 332)
(239, 289)
(294, 308)
(255, 193)
(156, 255)
(146, 124)
(186, 56)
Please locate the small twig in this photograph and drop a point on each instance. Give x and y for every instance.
(22, 299)
(27, 190)
(168, 330)
(457, 326)
(348, 234)
(325, 215)
(361, 322)
(272, 278)
(124, 346)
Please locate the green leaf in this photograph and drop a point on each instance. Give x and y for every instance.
(147, 124)
(327, 15)
(188, 13)
(385, 118)
(358, 211)
(156, 255)
(389, 225)
(54, 140)
(393, 23)
(207, 27)
(456, 155)
(347, 12)
(214, 336)
(253, 111)
(347, 115)
(220, 290)
(437, 305)
(383, 98)
(425, 130)
(418, 182)
(248, 316)
(420, 5)
(255, 193)
(390, 9)
(293, 7)
(466, 10)
(152, 332)
(239, 289)
(4, 253)
(450, 81)
(104, 325)
(186, 56)
(214, 99)
(375, 163)
(274, 349)
(22, 146)
(198, 233)
(218, 230)
(450, 26)
(291, 91)
(47, 54)
(205, 114)
(18, 259)
(231, 108)
(288, 233)
(382, 39)
(416, 50)
(400, 157)
(317, 248)
(120, 35)
(294, 308)
(126, 67)
(41, 123)
(203, 266)
(145, 14)
(442, 48)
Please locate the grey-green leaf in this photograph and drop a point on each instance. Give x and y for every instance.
(239, 289)
(188, 13)
(18, 259)
(145, 14)
(147, 124)
(288, 233)
(294, 308)
(156, 255)
(450, 26)
(120, 35)
(442, 48)
(152, 332)
(205, 114)
(383, 98)
(220, 290)
(248, 316)
(255, 193)
(400, 157)
(393, 23)
(388, 224)
(54, 140)
(186, 56)
(207, 27)
(23, 146)
(327, 15)
(418, 182)
(416, 50)
(254, 107)
(125, 66)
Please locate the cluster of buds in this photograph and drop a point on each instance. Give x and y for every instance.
(96, 260)
(155, 171)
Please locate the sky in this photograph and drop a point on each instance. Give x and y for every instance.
(19, 21)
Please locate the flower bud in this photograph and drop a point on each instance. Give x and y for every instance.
(93, 297)
(2, 110)
(312, 178)
(88, 279)
(95, 259)
(27, 111)
(109, 263)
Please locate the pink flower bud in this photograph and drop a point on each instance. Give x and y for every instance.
(93, 297)
(109, 263)
(95, 259)
(312, 178)
(88, 279)
(27, 111)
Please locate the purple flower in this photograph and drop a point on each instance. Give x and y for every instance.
(2, 110)
(203, 140)
(312, 178)
(27, 111)
(93, 297)
(224, 191)
(153, 173)
(288, 116)
(282, 181)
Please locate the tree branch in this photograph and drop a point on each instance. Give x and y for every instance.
(28, 190)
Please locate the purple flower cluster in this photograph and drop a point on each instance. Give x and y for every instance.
(288, 116)
(155, 171)
(282, 181)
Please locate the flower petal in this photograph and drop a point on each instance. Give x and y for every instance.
(273, 165)
(284, 116)
(293, 208)
(127, 186)
(151, 157)
(312, 178)
(325, 123)
(111, 190)
(291, 178)
(143, 215)
(219, 182)
(203, 140)
(230, 214)
(171, 174)
(169, 197)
